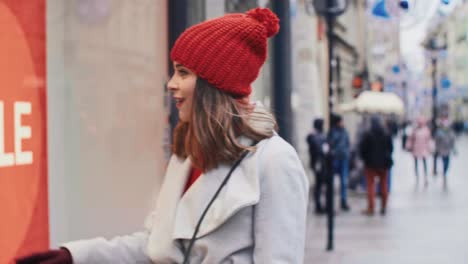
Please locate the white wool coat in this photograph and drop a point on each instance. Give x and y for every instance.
(259, 216)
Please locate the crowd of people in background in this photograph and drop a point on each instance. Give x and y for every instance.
(424, 143)
(370, 159)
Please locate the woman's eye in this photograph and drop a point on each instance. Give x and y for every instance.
(183, 72)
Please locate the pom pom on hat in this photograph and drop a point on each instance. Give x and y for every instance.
(228, 51)
(267, 18)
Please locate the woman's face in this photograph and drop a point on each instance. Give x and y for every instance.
(182, 86)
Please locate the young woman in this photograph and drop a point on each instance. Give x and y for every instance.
(419, 143)
(234, 191)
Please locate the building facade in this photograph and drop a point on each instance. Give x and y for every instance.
(451, 63)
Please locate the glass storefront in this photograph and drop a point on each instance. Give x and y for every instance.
(106, 70)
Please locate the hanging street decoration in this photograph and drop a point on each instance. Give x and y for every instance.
(380, 10)
(445, 83)
(404, 4)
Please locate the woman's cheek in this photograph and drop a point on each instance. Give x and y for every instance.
(184, 112)
(182, 115)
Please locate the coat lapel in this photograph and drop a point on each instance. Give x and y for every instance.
(242, 190)
(160, 242)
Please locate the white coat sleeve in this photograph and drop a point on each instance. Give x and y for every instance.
(280, 215)
(128, 249)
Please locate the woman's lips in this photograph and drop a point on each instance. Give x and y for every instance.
(179, 102)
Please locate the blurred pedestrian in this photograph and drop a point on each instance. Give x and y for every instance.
(421, 145)
(392, 126)
(445, 146)
(458, 127)
(318, 147)
(356, 166)
(434, 154)
(376, 149)
(407, 130)
(340, 150)
(202, 214)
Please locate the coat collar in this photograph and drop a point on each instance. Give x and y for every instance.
(177, 213)
(161, 222)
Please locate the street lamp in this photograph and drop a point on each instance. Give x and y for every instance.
(432, 46)
(330, 9)
(434, 49)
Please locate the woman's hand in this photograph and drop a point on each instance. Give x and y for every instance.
(57, 256)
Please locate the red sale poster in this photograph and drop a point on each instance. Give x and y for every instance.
(23, 149)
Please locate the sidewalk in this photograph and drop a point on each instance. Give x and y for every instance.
(422, 225)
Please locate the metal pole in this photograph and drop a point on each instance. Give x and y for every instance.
(434, 109)
(404, 86)
(329, 193)
(434, 94)
(282, 80)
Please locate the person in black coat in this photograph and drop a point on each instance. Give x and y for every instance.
(376, 150)
(317, 143)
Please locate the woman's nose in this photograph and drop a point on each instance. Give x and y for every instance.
(172, 85)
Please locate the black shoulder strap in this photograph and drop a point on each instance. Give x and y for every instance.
(226, 179)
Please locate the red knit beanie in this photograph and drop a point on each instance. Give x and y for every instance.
(228, 51)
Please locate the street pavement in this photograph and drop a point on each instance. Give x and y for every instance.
(427, 225)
